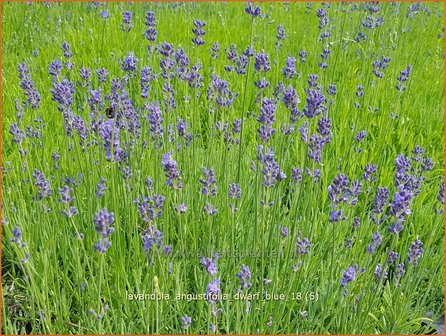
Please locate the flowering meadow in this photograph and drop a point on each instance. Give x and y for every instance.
(222, 168)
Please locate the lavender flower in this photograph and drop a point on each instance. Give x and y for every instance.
(360, 135)
(245, 276)
(234, 191)
(369, 171)
(381, 199)
(181, 208)
(17, 237)
(209, 187)
(27, 85)
(127, 24)
(65, 195)
(400, 206)
(392, 256)
(102, 75)
(17, 133)
(402, 78)
(261, 84)
(210, 264)
(303, 56)
(155, 121)
(213, 290)
(55, 68)
(253, 10)
(150, 208)
(70, 212)
(375, 242)
(280, 35)
(42, 184)
(199, 32)
(267, 117)
(209, 209)
(271, 170)
(378, 273)
(129, 63)
(170, 168)
(284, 231)
(315, 103)
(151, 237)
(415, 252)
(103, 221)
(302, 245)
(348, 276)
(66, 49)
(105, 14)
(289, 71)
(215, 50)
(62, 93)
(359, 91)
(151, 33)
(261, 63)
(186, 321)
(220, 92)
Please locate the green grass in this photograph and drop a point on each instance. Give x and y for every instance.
(59, 264)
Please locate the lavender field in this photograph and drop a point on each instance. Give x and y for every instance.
(223, 168)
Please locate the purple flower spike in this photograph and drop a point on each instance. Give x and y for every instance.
(170, 168)
(348, 276)
(245, 275)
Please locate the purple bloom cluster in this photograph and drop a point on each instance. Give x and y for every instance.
(245, 276)
(62, 93)
(101, 187)
(379, 65)
(253, 10)
(209, 187)
(103, 221)
(348, 276)
(281, 36)
(198, 32)
(379, 274)
(290, 99)
(219, 92)
(261, 63)
(129, 63)
(111, 135)
(152, 237)
(415, 252)
(186, 321)
(17, 239)
(402, 78)
(67, 199)
(210, 264)
(17, 133)
(127, 24)
(379, 204)
(289, 71)
(271, 170)
(43, 185)
(155, 121)
(32, 95)
(170, 168)
(267, 118)
(371, 22)
(314, 103)
(375, 242)
(302, 245)
(151, 33)
(150, 208)
(213, 290)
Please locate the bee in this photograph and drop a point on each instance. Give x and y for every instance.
(110, 112)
